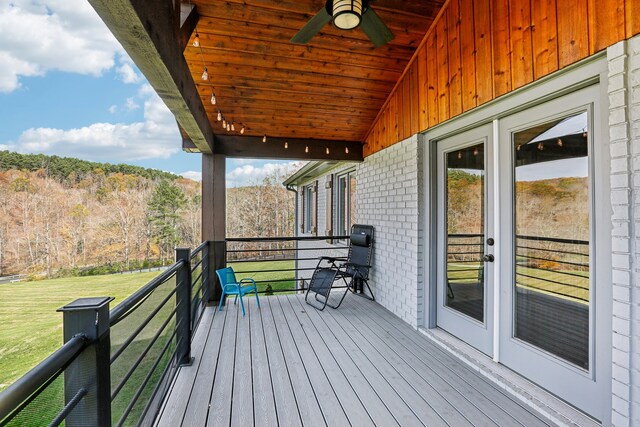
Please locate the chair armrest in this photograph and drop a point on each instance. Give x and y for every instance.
(248, 279)
(232, 285)
(334, 258)
(353, 264)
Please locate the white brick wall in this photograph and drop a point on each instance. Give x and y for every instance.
(388, 189)
(623, 88)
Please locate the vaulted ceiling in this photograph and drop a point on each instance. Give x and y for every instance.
(331, 88)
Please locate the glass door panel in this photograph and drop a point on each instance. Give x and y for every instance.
(464, 187)
(551, 209)
(465, 279)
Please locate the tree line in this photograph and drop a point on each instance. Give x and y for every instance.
(64, 216)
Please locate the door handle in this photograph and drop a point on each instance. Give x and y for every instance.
(488, 258)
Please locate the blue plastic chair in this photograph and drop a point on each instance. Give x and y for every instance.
(231, 286)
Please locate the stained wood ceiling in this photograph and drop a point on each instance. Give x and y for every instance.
(331, 88)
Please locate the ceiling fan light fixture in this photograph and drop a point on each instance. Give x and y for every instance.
(347, 14)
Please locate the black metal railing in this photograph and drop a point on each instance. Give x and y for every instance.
(144, 346)
(38, 397)
(116, 366)
(281, 264)
(545, 264)
(200, 287)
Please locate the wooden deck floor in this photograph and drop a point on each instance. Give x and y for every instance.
(288, 364)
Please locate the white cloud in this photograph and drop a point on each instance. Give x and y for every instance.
(131, 104)
(113, 109)
(249, 174)
(127, 74)
(196, 176)
(37, 36)
(155, 137)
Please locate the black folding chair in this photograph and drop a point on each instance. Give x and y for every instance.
(353, 270)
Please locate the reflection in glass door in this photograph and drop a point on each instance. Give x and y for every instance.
(551, 196)
(464, 187)
(465, 281)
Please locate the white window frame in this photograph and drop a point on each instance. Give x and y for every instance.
(342, 201)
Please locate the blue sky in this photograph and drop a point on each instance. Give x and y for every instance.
(68, 88)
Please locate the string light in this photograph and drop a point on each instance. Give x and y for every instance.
(540, 146)
(475, 151)
(306, 148)
(459, 154)
(560, 143)
(346, 150)
(228, 126)
(264, 138)
(327, 150)
(518, 147)
(286, 145)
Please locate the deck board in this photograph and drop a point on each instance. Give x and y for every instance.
(288, 364)
(484, 395)
(263, 401)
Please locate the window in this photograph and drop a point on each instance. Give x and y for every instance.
(309, 209)
(345, 203)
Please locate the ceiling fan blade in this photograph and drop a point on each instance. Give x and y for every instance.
(375, 29)
(312, 27)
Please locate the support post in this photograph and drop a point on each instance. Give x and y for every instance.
(91, 370)
(214, 217)
(183, 307)
(206, 291)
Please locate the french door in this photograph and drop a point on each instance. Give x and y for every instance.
(465, 291)
(518, 271)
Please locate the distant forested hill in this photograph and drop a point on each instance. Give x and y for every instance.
(61, 216)
(64, 167)
(69, 216)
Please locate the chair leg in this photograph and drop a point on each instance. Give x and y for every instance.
(344, 294)
(235, 301)
(242, 305)
(316, 297)
(222, 297)
(257, 300)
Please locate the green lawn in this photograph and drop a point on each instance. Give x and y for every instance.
(282, 280)
(31, 329)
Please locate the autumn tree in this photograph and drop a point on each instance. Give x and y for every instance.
(164, 207)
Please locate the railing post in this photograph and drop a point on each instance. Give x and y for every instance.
(206, 280)
(183, 305)
(91, 370)
(217, 260)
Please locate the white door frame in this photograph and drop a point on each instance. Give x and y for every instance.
(586, 73)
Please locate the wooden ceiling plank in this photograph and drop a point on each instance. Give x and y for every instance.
(296, 20)
(300, 65)
(270, 33)
(214, 44)
(220, 74)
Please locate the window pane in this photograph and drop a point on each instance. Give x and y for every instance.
(352, 201)
(552, 238)
(465, 230)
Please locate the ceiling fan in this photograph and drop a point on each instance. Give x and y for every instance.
(346, 15)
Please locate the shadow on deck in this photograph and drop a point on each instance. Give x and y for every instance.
(288, 364)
